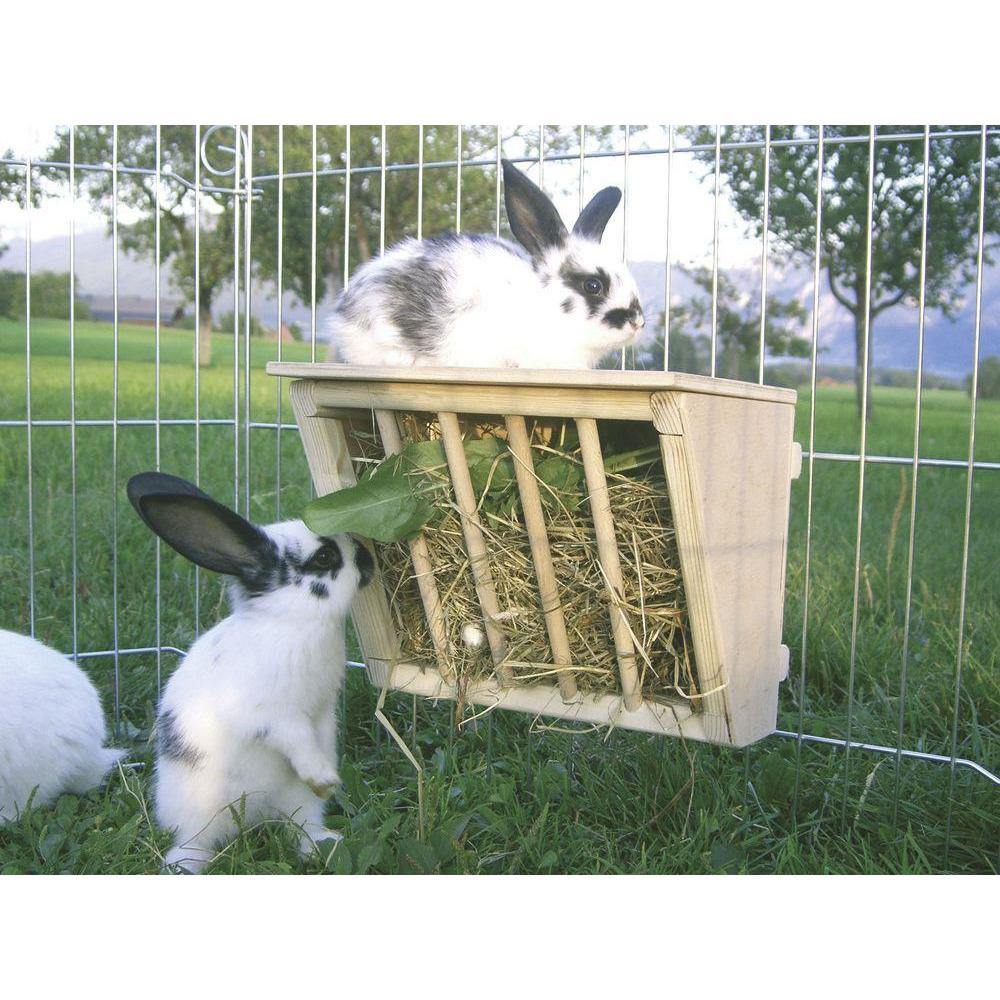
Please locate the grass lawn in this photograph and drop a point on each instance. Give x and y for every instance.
(505, 798)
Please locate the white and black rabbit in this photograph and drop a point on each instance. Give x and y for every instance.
(52, 729)
(248, 719)
(560, 300)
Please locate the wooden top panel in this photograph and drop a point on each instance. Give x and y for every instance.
(583, 380)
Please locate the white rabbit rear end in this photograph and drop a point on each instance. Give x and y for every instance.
(52, 729)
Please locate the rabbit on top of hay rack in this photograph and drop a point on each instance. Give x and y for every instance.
(52, 728)
(248, 718)
(476, 301)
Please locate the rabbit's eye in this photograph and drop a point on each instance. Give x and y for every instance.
(323, 559)
(593, 286)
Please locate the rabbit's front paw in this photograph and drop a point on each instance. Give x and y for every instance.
(323, 784)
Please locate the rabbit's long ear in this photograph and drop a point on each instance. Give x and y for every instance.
(200, 529)
(533, 218)
(596, 214)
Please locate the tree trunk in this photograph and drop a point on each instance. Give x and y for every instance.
(204, 337)
(361, 236)
(859, 363)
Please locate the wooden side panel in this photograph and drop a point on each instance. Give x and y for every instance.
(330, 466)
(741, 456)
(662, 718)
(456, 397)
(686, 499)
(585, 382)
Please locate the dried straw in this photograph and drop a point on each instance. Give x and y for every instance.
(652, 598)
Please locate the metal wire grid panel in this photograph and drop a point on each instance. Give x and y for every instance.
(239, 195)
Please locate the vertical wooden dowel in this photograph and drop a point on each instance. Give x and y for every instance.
(541, 554)
(423, 569)
(607, 553)
(475, 544)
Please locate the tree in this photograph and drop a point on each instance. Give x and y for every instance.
(137, 193)
(989, 379)
(953, 211)
(49, 295)
(137, 200)
(737, 330)
(12, 186)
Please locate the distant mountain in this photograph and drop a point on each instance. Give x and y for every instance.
(948, 343)
(947, 350)
(136, 279)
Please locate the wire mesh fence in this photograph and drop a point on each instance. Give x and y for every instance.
(892, 569)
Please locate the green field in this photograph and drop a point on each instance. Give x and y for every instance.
(505, 798)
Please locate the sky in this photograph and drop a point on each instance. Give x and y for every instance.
(640, 226)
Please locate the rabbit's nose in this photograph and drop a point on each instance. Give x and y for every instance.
(637, 323)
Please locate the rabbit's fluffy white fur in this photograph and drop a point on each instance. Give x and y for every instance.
(560, 300)
(52, 729)
(247, 723)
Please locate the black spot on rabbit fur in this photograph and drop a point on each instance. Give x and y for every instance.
(171, 744)
(617, 318)
(319, 589)
(573, 277)
(415, 292)
(417, 300)
(365, 563)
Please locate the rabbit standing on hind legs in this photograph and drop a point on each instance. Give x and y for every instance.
(559, 300)
(248, 720)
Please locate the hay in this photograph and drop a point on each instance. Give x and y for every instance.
(652, 598)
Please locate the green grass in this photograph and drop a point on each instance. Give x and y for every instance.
(506, 798)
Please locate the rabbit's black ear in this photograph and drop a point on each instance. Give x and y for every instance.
(200, 529)
(596, 214)
(533, 218)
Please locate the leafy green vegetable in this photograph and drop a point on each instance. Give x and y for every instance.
(384, 507)
(396, 498)
(427, 456)
(626, 461)
(490, 465)
(559, 473)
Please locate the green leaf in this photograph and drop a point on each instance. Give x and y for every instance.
(490, 465)
(389, 825)
(559, 473)
(627, 460)
(423, 459)
(341, 862)
(458, 826)
(415, 856)
(442, 846)
(548, 860)
(368, 857)
(425, 455)
(385, 508)
(726, 857)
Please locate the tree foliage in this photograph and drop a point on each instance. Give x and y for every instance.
(13, 186)
(49, 295)
(897, 217)
(737, 330)
(138, 204)
(989, 379)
